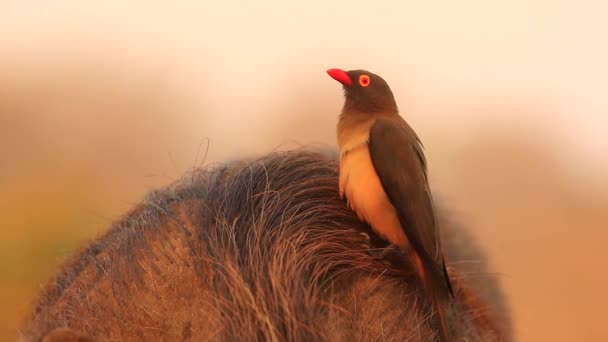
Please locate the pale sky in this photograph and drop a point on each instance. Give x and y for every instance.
(468, 62)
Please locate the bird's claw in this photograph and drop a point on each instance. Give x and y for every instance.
(367, 240)
(382, 253)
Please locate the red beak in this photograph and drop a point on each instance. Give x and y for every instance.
(340, 76)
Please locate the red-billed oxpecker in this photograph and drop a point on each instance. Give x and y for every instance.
(383, 174)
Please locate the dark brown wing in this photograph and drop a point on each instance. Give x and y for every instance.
(397, 155)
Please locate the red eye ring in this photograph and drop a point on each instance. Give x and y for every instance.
(364, 80)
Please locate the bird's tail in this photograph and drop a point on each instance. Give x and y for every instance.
(439, 292)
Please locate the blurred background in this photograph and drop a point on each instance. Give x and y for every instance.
(101, 101)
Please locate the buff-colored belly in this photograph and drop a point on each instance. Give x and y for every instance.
(363, 190)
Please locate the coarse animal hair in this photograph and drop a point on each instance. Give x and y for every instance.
(263, 250)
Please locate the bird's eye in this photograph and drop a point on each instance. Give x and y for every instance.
(364, 80)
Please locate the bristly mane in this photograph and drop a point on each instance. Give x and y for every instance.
(261, 250)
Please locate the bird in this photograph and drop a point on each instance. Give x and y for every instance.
(383, 178)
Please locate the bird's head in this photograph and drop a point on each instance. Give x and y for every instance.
(365, 92)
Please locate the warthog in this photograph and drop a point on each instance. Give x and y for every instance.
(263, 250)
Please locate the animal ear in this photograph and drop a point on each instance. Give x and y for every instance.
(65, 335)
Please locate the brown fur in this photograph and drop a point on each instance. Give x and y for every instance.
(255, 251)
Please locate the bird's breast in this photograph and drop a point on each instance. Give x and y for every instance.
(363, 189)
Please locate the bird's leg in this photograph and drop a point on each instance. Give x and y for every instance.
(391, 248)
(382, 253)
(378, 253)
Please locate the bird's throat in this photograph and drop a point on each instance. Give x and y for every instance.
(353, 130)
